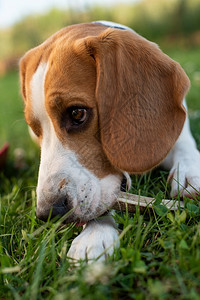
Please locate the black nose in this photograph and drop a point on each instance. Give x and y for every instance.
(56, 211)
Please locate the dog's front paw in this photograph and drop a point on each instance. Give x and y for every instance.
(185, 176)
(92, 242)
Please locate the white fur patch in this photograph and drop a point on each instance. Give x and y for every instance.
(183, 161)
(37, 89)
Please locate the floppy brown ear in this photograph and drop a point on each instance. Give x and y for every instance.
(139, 94)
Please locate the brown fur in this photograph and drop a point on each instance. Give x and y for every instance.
(134, 90)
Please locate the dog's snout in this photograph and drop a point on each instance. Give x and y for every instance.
(53, 197)
(58, 209)
(42, 215)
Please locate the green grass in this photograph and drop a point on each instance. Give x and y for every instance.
(159, 256)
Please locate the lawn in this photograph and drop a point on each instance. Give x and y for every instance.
(159, 256)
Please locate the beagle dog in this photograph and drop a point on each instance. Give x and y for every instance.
(103, 103)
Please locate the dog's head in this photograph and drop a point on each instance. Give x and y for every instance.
(101, 102)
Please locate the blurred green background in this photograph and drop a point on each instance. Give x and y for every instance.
(173, 24)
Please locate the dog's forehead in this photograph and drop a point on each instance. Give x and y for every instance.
(69, 73)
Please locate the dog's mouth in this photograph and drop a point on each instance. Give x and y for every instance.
(79, 215)
(80, 224)
(124, 187)
(69, 216)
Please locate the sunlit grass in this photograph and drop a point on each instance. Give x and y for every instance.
(159, 256)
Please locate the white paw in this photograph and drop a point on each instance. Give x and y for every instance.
(92, 242)
(185, 176)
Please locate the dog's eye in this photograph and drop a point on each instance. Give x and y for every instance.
(76, 118)
(78, 115)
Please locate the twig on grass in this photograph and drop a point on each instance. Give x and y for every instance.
(132, 201)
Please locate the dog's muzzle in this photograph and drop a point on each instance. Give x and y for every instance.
(53, 197)
(58, 209)
(58, 196)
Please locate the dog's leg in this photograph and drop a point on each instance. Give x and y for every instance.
(183, 161)
(97, 236)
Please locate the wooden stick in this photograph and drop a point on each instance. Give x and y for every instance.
(132, 201)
